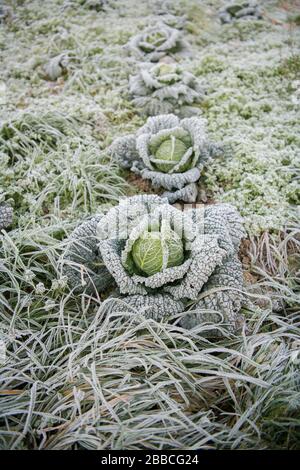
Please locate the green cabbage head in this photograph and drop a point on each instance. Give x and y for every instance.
(156, 250)
(170, 152)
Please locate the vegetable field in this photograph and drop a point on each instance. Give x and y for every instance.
(149, 224)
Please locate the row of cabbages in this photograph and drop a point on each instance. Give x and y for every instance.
(172, 148)
(163, 87)
(154, 257)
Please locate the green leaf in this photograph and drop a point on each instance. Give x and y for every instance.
(148, 251)
(171, 151)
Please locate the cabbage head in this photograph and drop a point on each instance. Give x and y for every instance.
(169, 152)
(155, 42)
(165, 88)
(6, 215)
(168, 259)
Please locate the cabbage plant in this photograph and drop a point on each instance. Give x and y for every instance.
(165, 88)
(6, 215)
(165, 261)
(172, 20)
(247, 10)
(155, 42)
(170, 152)
(96, 5)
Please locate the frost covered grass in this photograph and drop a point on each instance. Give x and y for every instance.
(80, 374)
(79, 371)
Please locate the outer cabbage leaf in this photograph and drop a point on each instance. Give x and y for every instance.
(155, 306)
(187, 194)
(82, 263)
(206, 244)
(56, 67)
(124, 151)
(221, 294)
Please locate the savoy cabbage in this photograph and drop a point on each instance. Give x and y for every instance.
(170, 152)
(155, 42)
(165, 88)
(163, 260)
(56, 67)
(82, 262)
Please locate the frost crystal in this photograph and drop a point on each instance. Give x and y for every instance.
(170, 152)
(165, 88)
